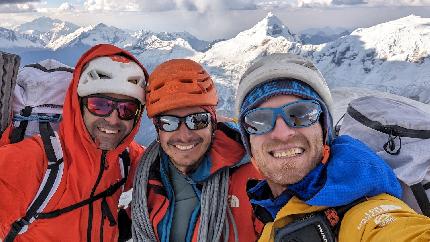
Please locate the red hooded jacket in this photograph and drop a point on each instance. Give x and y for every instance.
(22, 166)
(226, 152)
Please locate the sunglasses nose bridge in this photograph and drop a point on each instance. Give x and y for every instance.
(113, 116)
(281, 126)
(183, 132)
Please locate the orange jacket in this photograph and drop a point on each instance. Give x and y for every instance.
(22, 166)
(225, 152)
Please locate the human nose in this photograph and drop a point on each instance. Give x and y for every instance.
(113, 118)
(183, 132)
(281, 131)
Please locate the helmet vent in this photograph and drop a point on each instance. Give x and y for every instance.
(133, 80)
(158, 86)
(203, 80)
(210, 87)
(155, 100)
(186, 80)
(103, 75)
(195, 92)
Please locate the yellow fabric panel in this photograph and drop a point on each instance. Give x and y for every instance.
(382, 218)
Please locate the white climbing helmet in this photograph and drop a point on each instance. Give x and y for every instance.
(113, 74)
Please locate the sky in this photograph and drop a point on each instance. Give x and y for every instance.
(212, 19)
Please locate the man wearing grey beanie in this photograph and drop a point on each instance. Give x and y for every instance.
(314, 182)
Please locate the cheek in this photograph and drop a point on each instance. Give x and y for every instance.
(88, 119)
(206, 135)
(128, 125)
(256, 142)
(163, 138)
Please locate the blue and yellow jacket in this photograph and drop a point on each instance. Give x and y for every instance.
(352, 172)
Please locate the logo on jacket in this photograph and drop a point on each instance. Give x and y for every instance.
(233, 201)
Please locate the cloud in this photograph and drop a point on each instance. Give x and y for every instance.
(399, 2)
(348, 2)
(17, 8)
(168, 5)
(16, 1)
(66, 7)
(337, 3)
(332, 3)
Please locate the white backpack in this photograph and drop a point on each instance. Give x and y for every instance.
(399, 132)
(39, 96)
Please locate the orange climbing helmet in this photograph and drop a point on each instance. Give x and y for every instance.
(179, 83)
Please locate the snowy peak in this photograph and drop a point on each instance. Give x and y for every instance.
(316, 36)
(392, 57)
(197, 44)
(7, 34)
(405, 39)
(93, 35)
(46, 29)
(268, 36)
(46, 24)
(275, 27)
(11, 39)
(271, 26)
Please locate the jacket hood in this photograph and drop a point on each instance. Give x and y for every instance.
(76, 140)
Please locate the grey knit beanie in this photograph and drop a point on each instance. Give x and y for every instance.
(283, 65)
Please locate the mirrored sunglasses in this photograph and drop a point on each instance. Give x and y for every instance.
(195, 121)
(103, 106)
(298, 114)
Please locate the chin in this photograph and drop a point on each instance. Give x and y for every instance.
(107, 147)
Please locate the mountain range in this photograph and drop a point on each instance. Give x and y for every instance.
(390, 57)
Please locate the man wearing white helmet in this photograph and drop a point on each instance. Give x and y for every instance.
(66, 186)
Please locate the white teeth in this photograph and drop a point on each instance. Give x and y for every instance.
(108, 131)
(184, 147)
(288, 153)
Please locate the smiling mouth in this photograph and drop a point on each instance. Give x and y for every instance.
(184, 147)
(108, 131)
(292, 152)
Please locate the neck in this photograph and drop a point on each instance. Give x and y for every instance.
(277, 189)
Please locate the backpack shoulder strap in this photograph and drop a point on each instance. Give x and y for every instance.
(419, 191)
(335, 215)
(18, 133)
(124, 163)
(51, 181)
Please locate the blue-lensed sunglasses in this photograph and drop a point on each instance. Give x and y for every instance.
(298, 114)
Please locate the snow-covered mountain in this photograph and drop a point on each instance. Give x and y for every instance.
(154, 48)
(46, 29)
(196, 44)
(228, 59)
(316, 36)
(92, 35)
(9, 39)
(391, 57)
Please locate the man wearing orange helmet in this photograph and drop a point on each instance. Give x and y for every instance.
(66, 186)
(191, 182)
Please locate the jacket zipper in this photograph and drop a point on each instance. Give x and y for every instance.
(90, 206)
